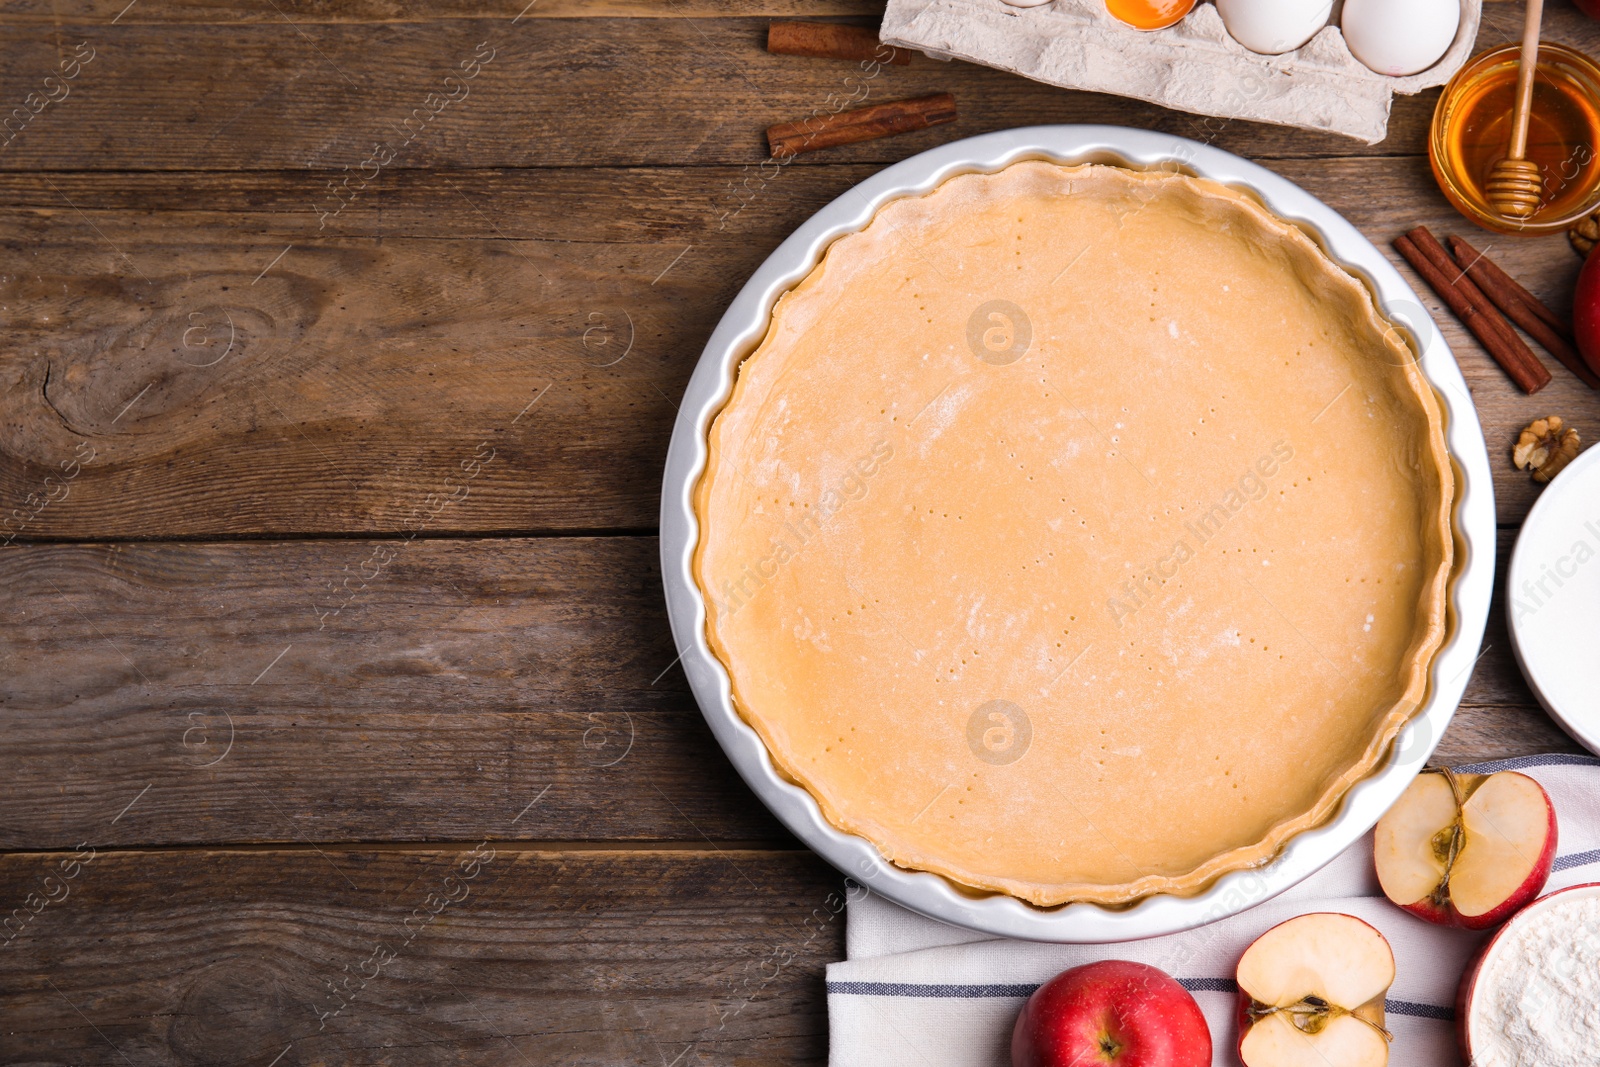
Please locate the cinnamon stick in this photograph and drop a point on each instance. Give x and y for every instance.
(862, 124)
(1429, 259)
(1523, 308)
(1482, 268)
(830, 40)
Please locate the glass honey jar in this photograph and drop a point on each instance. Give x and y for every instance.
(1472, 128)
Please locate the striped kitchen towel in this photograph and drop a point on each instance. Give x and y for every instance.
(915, 991)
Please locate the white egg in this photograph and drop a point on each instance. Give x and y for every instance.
(1400, 37)
(1274, 26)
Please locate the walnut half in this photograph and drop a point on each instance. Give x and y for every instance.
(1585, 234)
(1545, 447)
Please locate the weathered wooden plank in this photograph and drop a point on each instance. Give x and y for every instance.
(545, 92)
(1488, 732)
(23, 12)
(1500, 717)
(302, 12)
(551, 92)
(352, 690)
(236, 697)
(384, 366)
(533, 957)
(375, 356)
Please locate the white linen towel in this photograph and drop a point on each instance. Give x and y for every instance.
(916, 991)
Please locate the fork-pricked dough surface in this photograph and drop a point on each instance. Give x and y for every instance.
(1195, 536)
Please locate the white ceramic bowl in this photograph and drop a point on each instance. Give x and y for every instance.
(1553, 598)
(1477, 1022)
(741, 330)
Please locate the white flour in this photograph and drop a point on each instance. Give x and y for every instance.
(1537, 1002)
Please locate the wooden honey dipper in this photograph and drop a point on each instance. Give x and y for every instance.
(1516, 184)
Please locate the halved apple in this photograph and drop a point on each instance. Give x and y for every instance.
(1311, 994)
(1466, 849)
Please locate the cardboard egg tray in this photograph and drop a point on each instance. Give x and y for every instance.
(1194, 66)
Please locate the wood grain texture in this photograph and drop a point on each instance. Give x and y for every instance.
(399, 691)
(378, 354)
(540, 957)
(352, 691)
(1499, 716)
(74, 12)
(249, 290)
(274, 94)
(355, 376)
(227, 12)
(557, 92)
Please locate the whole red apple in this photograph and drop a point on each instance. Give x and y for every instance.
(1111, 1012)
(1586, 306)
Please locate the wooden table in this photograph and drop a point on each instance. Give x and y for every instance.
(340, 714)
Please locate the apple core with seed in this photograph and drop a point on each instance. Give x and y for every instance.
(1311, 994)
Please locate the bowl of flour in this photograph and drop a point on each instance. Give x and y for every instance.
(1532, 998)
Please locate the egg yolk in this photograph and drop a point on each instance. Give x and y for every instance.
(1149, 14)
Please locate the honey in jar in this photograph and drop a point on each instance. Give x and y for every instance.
(1472, 130)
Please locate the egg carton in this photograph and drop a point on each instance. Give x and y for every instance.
(1194, 66)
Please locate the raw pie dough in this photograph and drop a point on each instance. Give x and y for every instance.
(1077, 533)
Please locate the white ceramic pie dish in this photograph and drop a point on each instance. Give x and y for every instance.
(741, 330)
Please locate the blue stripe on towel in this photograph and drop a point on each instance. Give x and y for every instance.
(1419, 1011)
(1577, 859)
(905, 989)
(1020, 990)
(1548, 759)
(1209, 985)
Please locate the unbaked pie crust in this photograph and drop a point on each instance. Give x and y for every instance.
(1077, 533)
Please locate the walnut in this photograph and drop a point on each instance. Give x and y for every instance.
(1546, 446)
(1585, 234)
